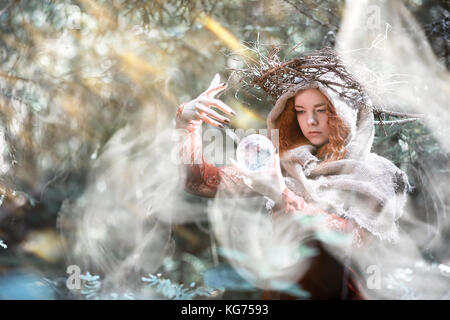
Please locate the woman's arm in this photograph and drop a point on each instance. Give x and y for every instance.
(289, 203)
(201, 177)
(198, 176)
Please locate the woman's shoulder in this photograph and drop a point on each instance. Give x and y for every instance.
(376, 159)
(399, 177)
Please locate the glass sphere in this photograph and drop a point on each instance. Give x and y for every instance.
(255, 153)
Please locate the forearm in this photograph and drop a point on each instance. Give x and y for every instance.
(192, 164)
(198, 176)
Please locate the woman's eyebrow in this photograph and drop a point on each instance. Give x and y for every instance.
(315, 106)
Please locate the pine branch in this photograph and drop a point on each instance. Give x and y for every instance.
(392, 122)
(399, 114)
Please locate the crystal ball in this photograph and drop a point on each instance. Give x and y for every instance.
(255, 153)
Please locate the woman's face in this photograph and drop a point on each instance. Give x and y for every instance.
(311, 109)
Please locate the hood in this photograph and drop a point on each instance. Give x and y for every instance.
(358, 117)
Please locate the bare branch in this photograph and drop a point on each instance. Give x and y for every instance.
(323, 24)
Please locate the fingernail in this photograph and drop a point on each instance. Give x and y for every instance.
(233, 113)
(221, 125)
(226, 120)
(222, 84)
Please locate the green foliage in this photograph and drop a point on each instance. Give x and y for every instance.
(175, 291)
(92, 289)
(225, 277)
(292, 289)
(92, 285)
(414, 149)
(405, 143)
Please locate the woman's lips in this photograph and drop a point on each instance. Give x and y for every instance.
(314, 133)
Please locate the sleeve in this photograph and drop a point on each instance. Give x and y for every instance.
(199, 176)
(291, 203)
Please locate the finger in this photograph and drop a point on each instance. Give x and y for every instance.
(238, 167)
(276, 162)
(218, 104)
(208, 120)
(243, 171)
(247, 181)
(215, 81)
(211, 92)
(234, 164)
(213, 84)
(211, 113)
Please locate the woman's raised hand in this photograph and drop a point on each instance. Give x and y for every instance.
(200, 107)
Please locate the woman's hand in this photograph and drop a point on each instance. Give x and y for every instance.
(200, 107)
(269, 183)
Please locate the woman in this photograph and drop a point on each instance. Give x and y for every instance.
(324, 168)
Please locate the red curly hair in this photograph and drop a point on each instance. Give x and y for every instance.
(291, 136)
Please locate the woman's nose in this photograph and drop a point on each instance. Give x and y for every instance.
(312, 119)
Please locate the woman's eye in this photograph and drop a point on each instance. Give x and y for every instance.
(300, 111)
(321, 110)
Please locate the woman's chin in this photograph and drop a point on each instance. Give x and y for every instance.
(318, 142)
